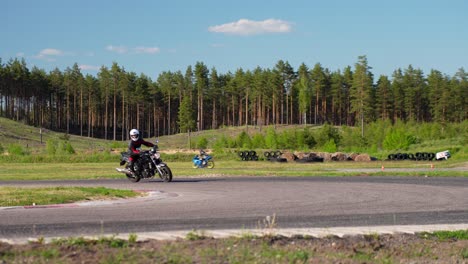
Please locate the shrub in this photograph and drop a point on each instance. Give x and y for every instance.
(64, 147)
(287, 140)
(398, 140)
(271, 140)
(309, 139)
(16, 149)
(51, 147)
(202, 143)
(330, 146)
(258, 141)
(243, 140)
(326, 133)
(220, 144)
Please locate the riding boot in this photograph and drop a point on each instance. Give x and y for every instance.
(130, 167)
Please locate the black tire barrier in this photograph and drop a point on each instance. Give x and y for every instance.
(272, 154)
(247, 155)
(410, 156)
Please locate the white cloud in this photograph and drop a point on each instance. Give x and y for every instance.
(49, 54)
(89, 67)
(217, 45)
(135, 50)
(249, 27)
(118, 49)
(150, 50)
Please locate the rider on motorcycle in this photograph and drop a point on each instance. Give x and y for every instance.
(134, 147)
(202, 156)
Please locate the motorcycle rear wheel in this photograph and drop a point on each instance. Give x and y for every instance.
(210, 164)
(166, 174)
(132, 178)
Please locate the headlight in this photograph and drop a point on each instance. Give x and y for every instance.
(157, 155)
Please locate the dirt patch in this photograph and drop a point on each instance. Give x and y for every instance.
(399, 248)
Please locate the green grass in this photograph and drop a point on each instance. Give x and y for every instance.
(446, 235)
(81, 171)
(21, 196)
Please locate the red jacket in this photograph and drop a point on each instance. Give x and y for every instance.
(133, 146)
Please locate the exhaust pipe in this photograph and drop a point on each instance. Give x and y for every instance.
(125, 171)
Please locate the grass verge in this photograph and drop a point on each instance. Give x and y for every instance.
(16, 196)
(80, 171)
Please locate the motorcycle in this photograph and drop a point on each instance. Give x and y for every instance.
(203, 161)
(146, 166)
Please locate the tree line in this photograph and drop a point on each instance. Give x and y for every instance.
(109, 104)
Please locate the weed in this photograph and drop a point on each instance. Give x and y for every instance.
(132, 238)
(269, 222)
(300, 256)
(50, 253)
(248, 236)
(195, 235)
(464, 253)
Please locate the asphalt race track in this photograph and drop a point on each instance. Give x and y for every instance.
(244, 203)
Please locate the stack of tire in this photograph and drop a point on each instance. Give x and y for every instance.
(247, 155)
(411, 156)
(274, 156)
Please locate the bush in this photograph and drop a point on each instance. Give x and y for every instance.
(309, 139)
(220, 144)
(202, 143)
(398, 140)
(258, 141)
(326, 133)
(330, 146)
(16, 149)
(64, 147)
(287, 140)
(243, 140)
(51, 147)
(271, 140)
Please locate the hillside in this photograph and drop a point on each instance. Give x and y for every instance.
(13, 132)
(35, 139)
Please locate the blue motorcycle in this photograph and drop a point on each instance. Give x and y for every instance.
(203, 161)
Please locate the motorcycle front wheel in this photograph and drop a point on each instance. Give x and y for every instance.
(166, 174)
(210, 164)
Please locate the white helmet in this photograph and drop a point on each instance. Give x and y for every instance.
(134, 134)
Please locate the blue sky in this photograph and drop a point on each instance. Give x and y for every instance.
(154, 36)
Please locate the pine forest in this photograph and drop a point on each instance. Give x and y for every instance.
(109, 104)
